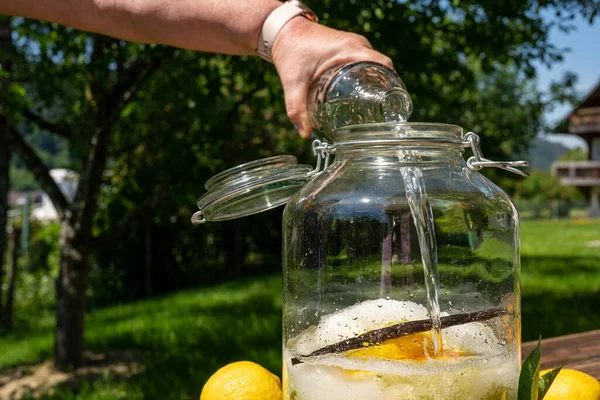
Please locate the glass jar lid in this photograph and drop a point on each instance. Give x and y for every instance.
(252, 188)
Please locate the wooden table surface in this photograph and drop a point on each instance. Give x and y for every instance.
(579, 351)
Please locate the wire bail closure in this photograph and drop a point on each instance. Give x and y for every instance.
(323, 151)
(478, 162)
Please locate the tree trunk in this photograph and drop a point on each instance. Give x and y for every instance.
(148, 258)
(71, 288)
(78, 218)
(405, 247)
(4, 184)
(237, 251)
(6, 48)
(387, 252)
(11, 277)
(234, 252)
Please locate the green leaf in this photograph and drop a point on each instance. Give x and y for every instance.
(17, 89)
(546, 380)
(530, 373)
(129, 108)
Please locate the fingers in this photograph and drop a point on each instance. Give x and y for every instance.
(385, 60)
(356, 54)
(362, 50)
(295, 104)
(303, 51)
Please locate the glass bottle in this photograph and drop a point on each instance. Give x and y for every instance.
(357, 93)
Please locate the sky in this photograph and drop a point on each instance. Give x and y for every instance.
(583, 59)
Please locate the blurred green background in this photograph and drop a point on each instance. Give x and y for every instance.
(145, 126)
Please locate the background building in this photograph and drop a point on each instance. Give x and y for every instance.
(584, 121)
(42, 208)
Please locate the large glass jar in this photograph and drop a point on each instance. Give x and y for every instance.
(400, 264)
(400, 273)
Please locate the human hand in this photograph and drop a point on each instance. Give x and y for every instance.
(303, 51)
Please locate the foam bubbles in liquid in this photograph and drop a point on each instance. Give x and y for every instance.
(337, 377)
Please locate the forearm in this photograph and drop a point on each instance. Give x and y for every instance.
(223, 26)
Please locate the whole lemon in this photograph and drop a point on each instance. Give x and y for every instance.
(242, 380)
(572, 384)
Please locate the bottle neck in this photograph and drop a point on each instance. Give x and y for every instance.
(396, 105)
(376, 104)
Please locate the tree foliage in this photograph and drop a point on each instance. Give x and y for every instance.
(146, 126)
(75, 86)
(576, 154)
(469, 62)
(542, 186)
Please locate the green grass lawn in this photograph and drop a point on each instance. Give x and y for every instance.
(560, 277)
(184, 338)
(187, 336)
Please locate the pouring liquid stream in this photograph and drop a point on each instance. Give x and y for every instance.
(372, 102)
(422, 215)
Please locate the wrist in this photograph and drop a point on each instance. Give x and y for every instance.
(290, 33)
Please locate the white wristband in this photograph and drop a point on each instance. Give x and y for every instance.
(273, 24)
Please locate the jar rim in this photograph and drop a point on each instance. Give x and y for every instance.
(401, 132)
